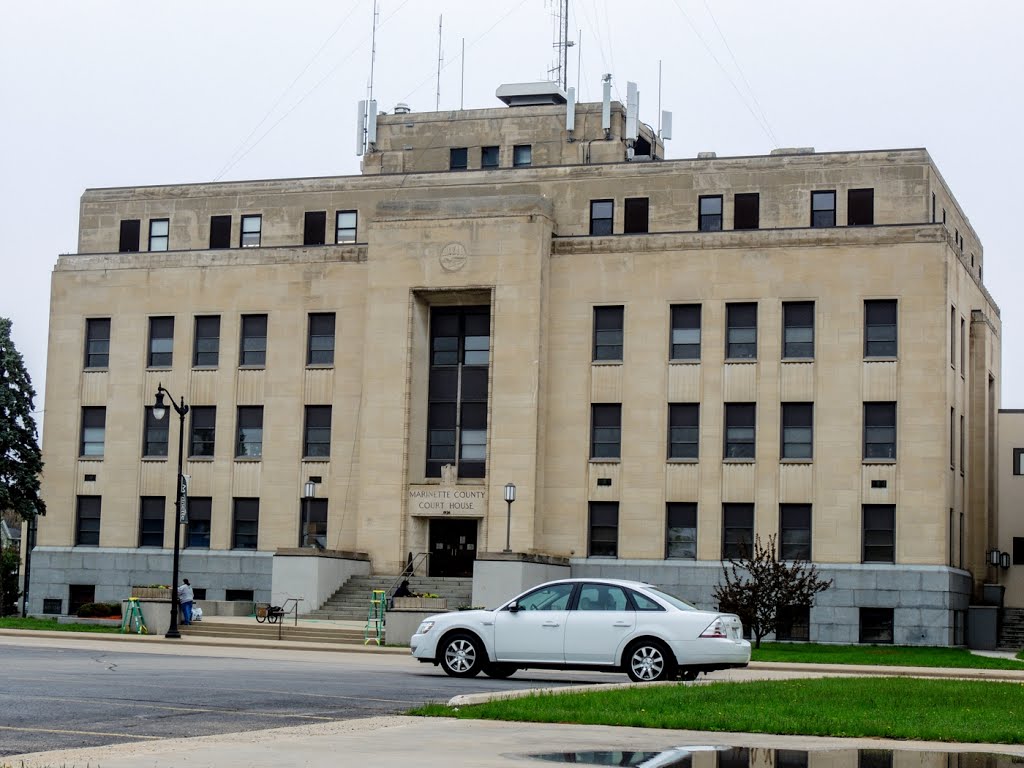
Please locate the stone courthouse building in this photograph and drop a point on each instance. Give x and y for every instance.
(666, 357)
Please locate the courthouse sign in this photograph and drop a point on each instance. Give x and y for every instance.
(453, 500)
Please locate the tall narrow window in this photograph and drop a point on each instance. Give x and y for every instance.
(252, 231)
(97, 342)
(860, 207)
(798, 330)
(151, 521)
(681, 531)
(154, 437)
(879, 535)
(94, 428)
(220, 232)
(737, 531)
(489, 157)
(963, 347)
(952, 438)
(823, 209)
(250, 432)
(747, 211)
(933, 207)
(797, 430)
(683, 430)
(794, 531)
(458, 159)
(161, 342)
(313, 523)
(604, 529)
(197, 532)
(685, 332)
(253, 349)
(320, 346)
(879, 430)
(952, 337)
(739, 430)
(962, 436)
(880, 328)
(203, 431)
(129, 237)
(345, 226)
(87, 521)
(710, 213)
(522, 155)
(159, 234)
(601, 215)
(314, 230)
(608, 330)
(636, 213)
(206, 350)
(245, 523)
(316, 442)
(605, 431)
(741, 331)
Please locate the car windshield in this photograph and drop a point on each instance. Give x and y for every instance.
(670, 599)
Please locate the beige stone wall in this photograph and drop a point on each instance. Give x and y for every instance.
(1011, 506)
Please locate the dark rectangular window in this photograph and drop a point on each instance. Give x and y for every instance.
(522, 155)
(604, 529)
(747, 213)
(317, 435)
(1018, 461)
(741, 331)
(737, 531)
(879, 534)
(253, 348)
(458, 159)
(320, 345)
(933, 207)
(489, 157)
(314, 230)
(636, 212)
(963, 348)
(608, 330)
(87, 521)
(952, 337)
(151, 521)
(880, 328)
(860, 207)
(794, 624)
(203, 433)
(605, 431)
(245, 523)
(797, 430)
(206, 349)
(798, 330)
(94, 428)
(710, 213)
(220, 232)
(823, 209)
(683, 430)
(313, 523)
(131, 230)
(739, 430)
(345, 226)
(97, 342)
(161, 342)
(601, 215)
(79, 595)
(794, 531)
(952, 438)
(685, 332)
(159, 234)
(876, 626)
(154, 437)
(1018, 550)
(879, 430)
(681, 530)
(197, 532)
(252, 231)
(961, 444)
(250, 431)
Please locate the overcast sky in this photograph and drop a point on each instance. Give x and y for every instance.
(97, 94)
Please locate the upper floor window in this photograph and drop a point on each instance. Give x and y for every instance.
(860, 207)
(746, 211)
(741, 331)
(458, 159)
(316, 441)
(636, 215)
(254, 340)
(608, 324)
(739, 430)
(737, 531)
(685, 332)
(203, 432)
(345, 226)
(151, 521)
(794, 531)
(798, 329)
(161, 342)
(197, 532)
(879, 430)
(314, 230)
(87, 521)
(320, 347)
(879, 533)
(489, 157)
(129, 237)
(601, 214)
(823, 209)
(97, 342)
(220, 232)
(683, 430)
(604, 531)
(250, 432)
(245, 523)
(681, 531)
(252, 230)
(952, 337)
(963, 347)
(154, 437)
(522, 155)
(159, 234)
(206, 349)
(710, 213)
(605, 430)
(94, 428)
(880, 328)
(797, 430)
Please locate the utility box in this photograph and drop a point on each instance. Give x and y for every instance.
(982, 627)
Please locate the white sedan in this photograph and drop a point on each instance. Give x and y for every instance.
(593, 624)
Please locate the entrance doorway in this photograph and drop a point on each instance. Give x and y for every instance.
(452, 547)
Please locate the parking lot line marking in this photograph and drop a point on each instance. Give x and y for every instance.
(79, 733)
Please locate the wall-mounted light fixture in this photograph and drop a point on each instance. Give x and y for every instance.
(1004, 559)
(993, 557)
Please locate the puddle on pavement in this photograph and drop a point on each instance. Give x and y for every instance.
(743, 757)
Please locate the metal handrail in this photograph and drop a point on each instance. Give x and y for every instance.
(285, 611)
(409, 570)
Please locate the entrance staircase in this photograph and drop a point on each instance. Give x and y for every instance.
(286, 631)
(1011, 634)
(352, 601)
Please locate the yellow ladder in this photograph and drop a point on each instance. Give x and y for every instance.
(373, 632)
(133, 621)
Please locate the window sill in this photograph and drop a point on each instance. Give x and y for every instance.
(319, 366)
(154, 458)
(90, 458)
(606, 362)
(878, 461)
(682, 461)
(316, 459)
(97, 369)
(739, 461)
(201, 459)
(608, 460)
(205, 367)
(797, 360)
(795, 461)
(159, 367)
(248, 459)
(684, 361)
(881, 359)
(740, 360)
(262, 367)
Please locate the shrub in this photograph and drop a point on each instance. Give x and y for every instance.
(101, 610)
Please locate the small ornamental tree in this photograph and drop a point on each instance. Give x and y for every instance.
(758, 586)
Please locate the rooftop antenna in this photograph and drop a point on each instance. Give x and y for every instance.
(606, 104)
(366, 118)
(561, 44)
(462, 85)
(632, 117)
(437, 99)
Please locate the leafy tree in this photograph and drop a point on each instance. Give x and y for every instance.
(758, 586)
(20, 458)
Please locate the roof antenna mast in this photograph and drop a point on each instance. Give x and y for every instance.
(366, 115)
(440, 56)
(561, 44)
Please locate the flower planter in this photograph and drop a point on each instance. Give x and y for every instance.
(151, 593)
(421, 603)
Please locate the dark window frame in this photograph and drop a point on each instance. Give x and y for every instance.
(793, 625)
(220, 232)
(737, 530)
(737, 346)
(602, 217)
(249, 236)
(343, 233)
(606, 417)
(1018, 550)
(458, 158)
(822, 216)
(603, 518)
(522, 155)
(320, 351)
(160, 358)
(878, 533)
(746, 216)
(245, 522)
(796, 534)
(130, 236)
(155, 435)
(314, 228)
(313, 519)
(316, 436)
(486, 155)
(876, 417)
(684, 431)
(202, 433)
(94, 417)
(795, 418)
(1018, 461)
(249, 417)
(152, 510)
(200, 516)
(795, 345)
(711, 221)
(87, 509)
(157, 238)
(876, 320)
(876, 626)
(608, 334)
(860, 207)
(681, 319)
(97, 342)
(736, 444)
(636, 215)
(206, 345)
(681, 530)
(249, 333)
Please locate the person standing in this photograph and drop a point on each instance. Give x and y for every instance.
(185, 600)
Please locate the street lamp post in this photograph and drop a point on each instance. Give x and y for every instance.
(180, 498)
(510, 496)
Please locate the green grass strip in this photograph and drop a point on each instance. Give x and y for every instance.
(895, 708)
(52, 625)
(881, 655)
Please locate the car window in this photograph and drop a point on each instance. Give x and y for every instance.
(644, 603)
(670, 599)
(554, 597)
(602, 597)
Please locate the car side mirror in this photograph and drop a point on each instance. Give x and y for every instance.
(513, 607)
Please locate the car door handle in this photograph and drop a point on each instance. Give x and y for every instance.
(622, 624)
(550, 624)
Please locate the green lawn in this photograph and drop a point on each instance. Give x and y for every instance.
(51, 625)
(895, 708)
(886, 655)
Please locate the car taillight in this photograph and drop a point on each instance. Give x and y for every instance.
(715, 629)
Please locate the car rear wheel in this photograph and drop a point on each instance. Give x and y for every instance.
(499, 671)
(461, 656)
(648, 661)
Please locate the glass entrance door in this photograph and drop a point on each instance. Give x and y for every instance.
(452, 547)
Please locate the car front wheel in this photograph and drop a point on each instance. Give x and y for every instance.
(648, 661)
(461, 656)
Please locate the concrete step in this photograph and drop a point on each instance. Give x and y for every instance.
(273, 632)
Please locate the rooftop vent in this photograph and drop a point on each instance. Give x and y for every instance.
(793, 151)
(530, 94)
(707, 155)
(401, 108)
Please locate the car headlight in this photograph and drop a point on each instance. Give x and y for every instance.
(425, 627)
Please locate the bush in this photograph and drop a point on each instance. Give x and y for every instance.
(99, 610)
